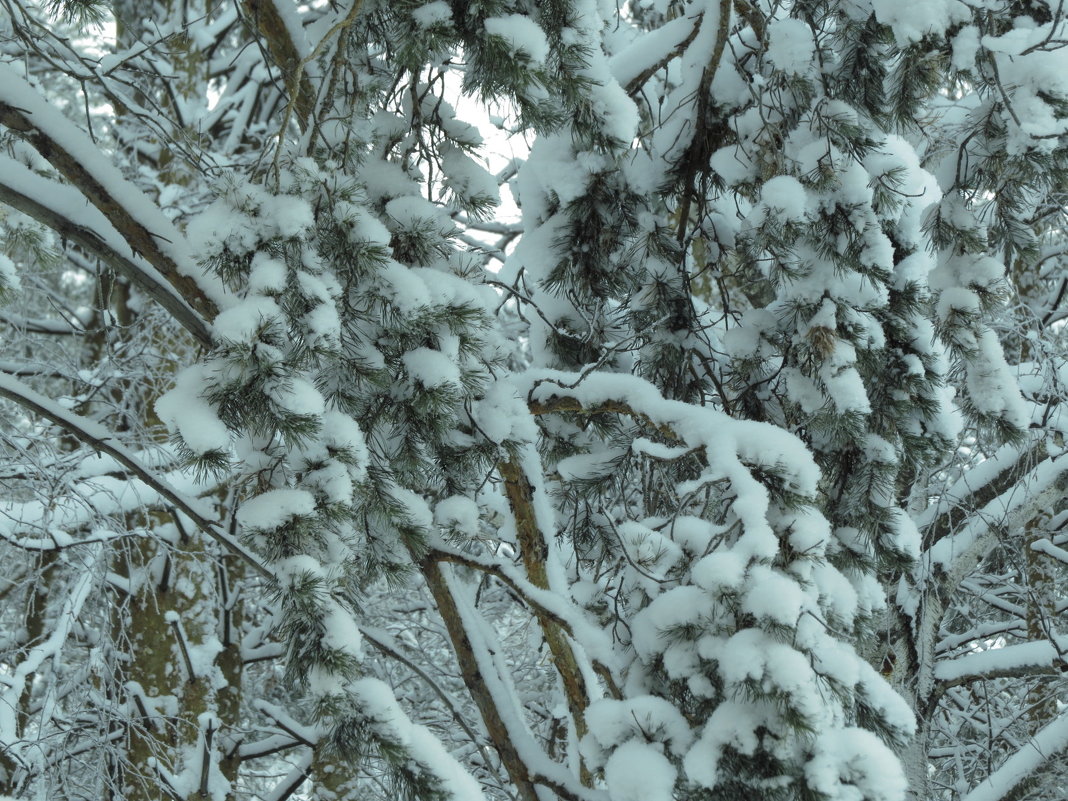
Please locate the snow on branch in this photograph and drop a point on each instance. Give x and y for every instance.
(15, 685)
(754, 443)
(1036, 489)
(1050, 741)
(549, 606)
(384, 642)
(281, 29)
(1049, 549)
(101, 439)
(80, 161)
(978, 487)
(64, 211)
(643, 58)
(1025, 659)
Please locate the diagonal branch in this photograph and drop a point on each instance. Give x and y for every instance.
(64, 211)
(384, 642)
(478, 682)
(74, 155)
(960, 503)
(534, 551)
(104, 441)
(545, 604)
(271, 23)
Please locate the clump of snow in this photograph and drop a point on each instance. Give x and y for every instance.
(785, 195)
(612, 723)
(853, 763)
(648, 547)
(266, 275)
(300, 396)
(340, 432)
(837, 593)
(694, 534)
(910, 22)
(414, 507)
(334, 480)
(379, 705)
(790, 46)
(403, 287)
(436, 13)
(584, 466)
(340, 631)
(723, 571)
(386, 179)
(292, 568)
(412, 212)
(679, 606)
(637, 771)
(733, 724)
(458, 513)
(274, 508)
(185, 412)
(240, 324)
(965, 46)
(292, 216)
(366, 228)
(502, 415)
(991, 385)
(467, 178)
(431, 368)
(522, 34)
(9, 278)
(618, 113)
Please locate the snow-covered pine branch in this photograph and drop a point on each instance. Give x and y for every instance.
(728, 465)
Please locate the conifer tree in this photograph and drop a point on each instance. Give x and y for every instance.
(731, 469)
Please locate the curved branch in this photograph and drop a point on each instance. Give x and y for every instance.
(538, 599)
(386, 644)
(270, 23)
(65, 212)
(477, 677)
(74, 155)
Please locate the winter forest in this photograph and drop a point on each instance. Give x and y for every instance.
(533, 400)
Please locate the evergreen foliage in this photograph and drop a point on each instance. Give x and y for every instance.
(731, 468)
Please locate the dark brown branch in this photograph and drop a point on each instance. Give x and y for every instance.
(92, 244)
(557, 405)
(534, 552)
(476, 684)
(524, 595)
(139, 238)
(393, 652)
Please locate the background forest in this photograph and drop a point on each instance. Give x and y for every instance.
(727, 467)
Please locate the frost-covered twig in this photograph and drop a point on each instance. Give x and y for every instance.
(104, 441)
